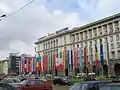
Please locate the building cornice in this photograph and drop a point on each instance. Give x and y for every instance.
(81, 27)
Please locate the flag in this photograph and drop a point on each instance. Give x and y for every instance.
(49, 62)
(41, 63)
(37, 64)
(28, 64)
(45, 63)
(25, 65)
(81, 58)
(72, 58)
(90, 54)
(106, 50)
(101, 54)
(67, 60)
(96, 56)
(85, 57)
(64, 60)
(60, 67)
(54, 62)
(76, 58)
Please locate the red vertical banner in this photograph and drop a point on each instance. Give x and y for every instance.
(29, 64)
(45, 63)
(56, 57)
(75, 58)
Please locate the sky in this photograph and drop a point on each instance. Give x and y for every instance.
(19, 31)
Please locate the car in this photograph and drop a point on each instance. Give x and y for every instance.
(5, 86)
(110, 86)
(34, 84)
(89, 85)
(11, 80)
(62, 81)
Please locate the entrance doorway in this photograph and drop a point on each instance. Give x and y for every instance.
(56, 72)
(117, 69)
(105, 70)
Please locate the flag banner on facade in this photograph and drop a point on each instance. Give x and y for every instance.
(54, 57)
(51, 58)
(45, 63)
(90, 54)
(37, 64)
(72, 58)
(64, 60)
(25, 65)
(29, 64)
(61, 64)
(81, 57)
(67, 60)
(58, 63)
(101, 54)
(75, 58)
(85, 57)
(49, 62)
(96, 56)
(41, 63)
(106, 51)
(32, 64)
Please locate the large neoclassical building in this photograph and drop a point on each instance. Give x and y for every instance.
(105, 30)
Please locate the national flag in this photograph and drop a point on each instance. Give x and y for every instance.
(81, 63)
(25, 65)
(37, 64)
(85, 57)
(45, 63)
(64, 60)
(76, 58)
(67, 60)
(49, 62)
(29, 64)
(54, 62)
(106, 51)
(90, 54)
(72, 58)
(61, 64)
(101, 54)
(96, 56)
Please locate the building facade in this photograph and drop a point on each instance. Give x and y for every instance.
(105, 31)
(4, 67)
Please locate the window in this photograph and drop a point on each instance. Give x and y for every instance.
(31, 83)
(77, 45)
(81, 35)
(117, 37)
(44, 46)
(110, 27)
(106, 40)
(39, 83)
(95, 41)
(73, 38)
(112, 55)
(85, 33)
(116, 25)
(56, 42)
(100, 30)
(51, 44)
(112, 45)
(77, 36)
(95, 32)
(111, 38)
(118, 54)
(90, 33)
(64, 39)
(118, 44)
(105, 29)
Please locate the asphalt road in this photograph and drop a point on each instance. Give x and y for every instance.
(57, 87)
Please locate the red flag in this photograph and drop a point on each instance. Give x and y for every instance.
(85, 59)
(56, 61)
(29, 64)
(45, 63)
(54, 57)
(76, 58)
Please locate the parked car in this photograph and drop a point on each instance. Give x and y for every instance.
(4, 86)
(62, 81)
(110, 86)
(34, 84)
(89, 85)
(11, 80)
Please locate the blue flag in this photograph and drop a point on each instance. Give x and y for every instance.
(101, 55)
(80, 57)
(68, 57)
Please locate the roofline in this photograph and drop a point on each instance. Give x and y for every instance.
(82, 27)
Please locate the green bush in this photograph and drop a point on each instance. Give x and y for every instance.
(76, 80)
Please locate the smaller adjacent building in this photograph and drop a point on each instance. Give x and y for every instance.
(4, 67)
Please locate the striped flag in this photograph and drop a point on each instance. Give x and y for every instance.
(29, 64)
(90, 54)
(49, 62)
(101, 54)
(61, 66)
(96, 56)
(25, 65)
(81, 63)
(106, 51)
(76, 58)
(37, 64)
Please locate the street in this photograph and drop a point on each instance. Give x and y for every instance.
(57, 87)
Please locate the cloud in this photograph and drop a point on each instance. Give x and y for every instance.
(21, 30)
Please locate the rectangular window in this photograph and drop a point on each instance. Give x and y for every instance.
(105, 29)
(111, 38)
(113, 55)
(56, 42)
(95, 32)
(118, 44)
(77, 37)
(112, 45)
(110, 27)
(85, 33)
(81, 35)
(116, 25)
(90, 33)
(117, 37)
(73, 38)
(100, 30)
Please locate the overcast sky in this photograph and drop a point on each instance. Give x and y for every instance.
(19, 32)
